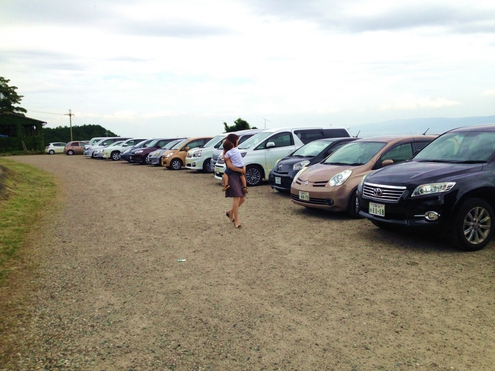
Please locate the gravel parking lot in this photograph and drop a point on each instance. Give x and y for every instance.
(294, 289)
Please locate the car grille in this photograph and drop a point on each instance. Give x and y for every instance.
(312, 200)
(314, 184)
(384, 193)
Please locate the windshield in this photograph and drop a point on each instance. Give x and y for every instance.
(178, 145)
(171, 144)
(312, 149)
(214, 142)
(355, 153)
(459, 147)
(143, 144)
(114, 144)
(255, 140)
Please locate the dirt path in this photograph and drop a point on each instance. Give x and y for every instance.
(294, 289)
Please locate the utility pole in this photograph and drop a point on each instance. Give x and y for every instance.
(70, 114)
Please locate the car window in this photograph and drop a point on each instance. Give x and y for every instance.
(311, 149)
(355, 153)
(460, 147)
(307, 136)
(196, 143)
(399, 153)
(332, 149)
(280, 139)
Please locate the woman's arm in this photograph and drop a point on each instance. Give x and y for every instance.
(228, 163)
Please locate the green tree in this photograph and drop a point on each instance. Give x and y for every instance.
(9, 97)
(239, 124)
(84, 132)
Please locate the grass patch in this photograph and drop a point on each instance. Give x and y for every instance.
(25, 194)
(28, 197)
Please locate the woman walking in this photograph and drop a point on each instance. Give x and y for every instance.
(235, 190)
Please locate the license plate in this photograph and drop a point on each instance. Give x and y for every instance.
(377, 209)
(304, 196)
(278, 180)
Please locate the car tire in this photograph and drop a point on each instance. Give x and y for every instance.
(472, 227)
(70, 152)
(175, 164)
(51, 152)
(115, 156)
(207, 166)
(353, 207)
(254, 175)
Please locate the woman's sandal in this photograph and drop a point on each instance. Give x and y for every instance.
(245, 190)
(238, 226)
(225, 187)
(227, 213)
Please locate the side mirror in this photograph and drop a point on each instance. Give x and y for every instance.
(186, 149)
(270, 144)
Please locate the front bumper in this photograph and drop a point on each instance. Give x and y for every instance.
(325, 198)
(281, 181)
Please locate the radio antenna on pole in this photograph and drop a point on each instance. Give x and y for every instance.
(266, 121)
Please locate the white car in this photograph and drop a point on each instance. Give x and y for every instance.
(200, 158)
(95, 151)
(263, 150)
(114, 150)
(55, 147)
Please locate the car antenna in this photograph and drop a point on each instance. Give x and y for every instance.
(357, 135)
(426, 131)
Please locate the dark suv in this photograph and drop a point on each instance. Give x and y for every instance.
(449, 186)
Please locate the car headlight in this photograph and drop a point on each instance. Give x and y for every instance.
(299, 173)
(197, 154)
(300, 165)
(427, 189)
(339, 179)
(169, 155)
(138, 151)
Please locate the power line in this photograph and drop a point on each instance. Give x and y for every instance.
(48, 113)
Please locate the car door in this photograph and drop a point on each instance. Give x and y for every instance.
(276, 147)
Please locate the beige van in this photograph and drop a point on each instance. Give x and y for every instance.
(175, 157)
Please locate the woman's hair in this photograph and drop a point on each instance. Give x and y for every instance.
(233, 138)
(227, 145)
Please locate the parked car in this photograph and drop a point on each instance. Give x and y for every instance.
(243, 136)
(449, 188)
(175, 157)
(55, 147)
(285, 169)
(262, 150)
(75, 147)
(200, 158)
(139, 155)
(127, 153)
(155, 157)
(114, 150)
(94, 151)
(331, 185)
(93, 142)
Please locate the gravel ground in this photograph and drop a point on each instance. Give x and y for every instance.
(294, 289)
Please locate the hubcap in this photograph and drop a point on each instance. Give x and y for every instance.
(477, 225)
(253, 176)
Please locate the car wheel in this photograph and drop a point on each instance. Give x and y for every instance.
(207, 165)
(51, 152)
(353, 208)
(254, 174)
(472, 226)
(70, 152)
(175, 164)
(115, 155)
(93, 155)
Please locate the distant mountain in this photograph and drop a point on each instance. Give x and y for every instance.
(434, 125)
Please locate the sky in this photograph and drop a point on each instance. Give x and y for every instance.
(184, 67)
